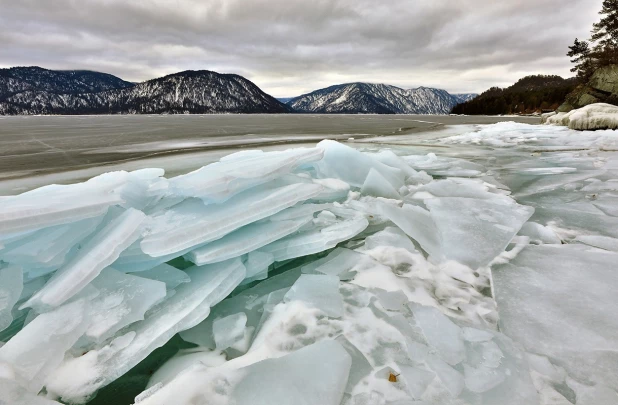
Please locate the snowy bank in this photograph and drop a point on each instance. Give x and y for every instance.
(590, 117)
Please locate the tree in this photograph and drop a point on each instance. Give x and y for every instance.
(584, 65)
(605, 34)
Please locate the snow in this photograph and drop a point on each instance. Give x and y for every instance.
(326, 275)
(590, 117)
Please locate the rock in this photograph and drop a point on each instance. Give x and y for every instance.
(602, 88)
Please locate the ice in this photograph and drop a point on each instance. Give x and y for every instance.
(360, 367)
(219, 181)
(452, 379)
(340, 262)
(442, 334)
(171, 276)
(100, 251)
(376, 185)
(122, 300)
(352, 166)
(539, 234)
(11, 286)
(319, 291)
(315, 240)
(36, 351)
(417, 380)
(80, 377)
(245, 240)
(229, 331)
(192, 223)
(316, 374)
(257, 264)
(12, 393)
(563, 311)
(590, 117)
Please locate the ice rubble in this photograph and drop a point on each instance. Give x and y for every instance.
(352, 278)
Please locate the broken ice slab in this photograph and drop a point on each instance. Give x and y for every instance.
(352, 166)
(220, 181)
(316, 374)
(319, 291)
(171, 276)
(11, 286)
(192, 223)
(11, 393)
(360, 365)
(417, 379)
(539, 234)
(245, 240)
(441, 334)
(98, 252)
(565, 312)
(340, 262)
(315, 240)
(80, 377)
(376, 185)
(48, 248)
(31, 360)
(122, 300)
(229, 331)
(257, 264)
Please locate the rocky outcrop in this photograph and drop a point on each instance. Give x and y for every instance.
(602, 88)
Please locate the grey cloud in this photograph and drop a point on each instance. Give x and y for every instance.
(292, 46)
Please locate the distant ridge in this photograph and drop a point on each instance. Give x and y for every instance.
(370, 98)
(34, 90)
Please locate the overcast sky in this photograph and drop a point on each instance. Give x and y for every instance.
(290, 47)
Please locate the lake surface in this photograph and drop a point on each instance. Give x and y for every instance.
(39, 150)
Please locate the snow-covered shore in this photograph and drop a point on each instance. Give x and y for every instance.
(353, 276)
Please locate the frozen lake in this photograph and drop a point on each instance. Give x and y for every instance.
(39, 150)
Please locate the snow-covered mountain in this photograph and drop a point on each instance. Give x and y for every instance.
(463, 97)
(185, 92)
(372, 98)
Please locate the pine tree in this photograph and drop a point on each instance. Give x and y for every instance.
(605, 34)
(584, 65)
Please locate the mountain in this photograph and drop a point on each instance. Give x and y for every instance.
(463, 97)
(20, 79)
(193, 92)
(369, 98)
(531, 94)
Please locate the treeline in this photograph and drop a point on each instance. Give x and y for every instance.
(529, 95)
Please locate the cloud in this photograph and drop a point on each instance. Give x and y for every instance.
(288, 47)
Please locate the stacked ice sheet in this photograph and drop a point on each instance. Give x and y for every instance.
(353, 278)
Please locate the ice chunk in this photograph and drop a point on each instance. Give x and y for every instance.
(476, 335)
(452, 379)
(183, 360)
(12, 393)
(392, 237)
(229, 331)
(340, 262)
(316, 374)
(442, 334)
(245, 240)
(315, 241)
(360, 365)
(11, 286)
(100, 251)
(417, 380)
(483, 378)
(80, 377)
(49, 247)
(352, 166)
(376, 185)
(560, 301)
(192, 223)
(418, 224)
(319, 291)
(539, 233)
(602, 242)
(36, 351)
(219, 181)
(257, 264)
(122, 300)
(27, 212)
(171, 276)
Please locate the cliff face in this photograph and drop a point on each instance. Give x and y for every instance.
(602, 88)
